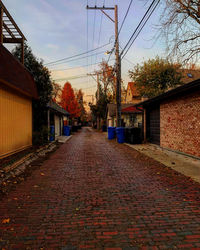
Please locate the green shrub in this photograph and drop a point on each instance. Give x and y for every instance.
(41, 137)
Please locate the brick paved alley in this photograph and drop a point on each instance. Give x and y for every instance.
(97, 194)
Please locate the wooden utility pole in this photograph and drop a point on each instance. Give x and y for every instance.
(118, 71)
(118, 59)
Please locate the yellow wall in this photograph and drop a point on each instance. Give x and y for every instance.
(15, 121)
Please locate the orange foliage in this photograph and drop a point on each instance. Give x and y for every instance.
(68, 101)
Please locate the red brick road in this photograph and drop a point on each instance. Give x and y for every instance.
(94, 193)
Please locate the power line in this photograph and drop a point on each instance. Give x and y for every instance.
(100, 29)
(121, 28)
(141, 29)
(70, 78)
(128, 61)
(94, 24)
(76, 77)
(125, 17)
(81, 66)
(139, 25)
(72, 60)
(66, 58)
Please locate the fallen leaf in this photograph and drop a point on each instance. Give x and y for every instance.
(158, 172)
(35, 186)
(77, 209)
(5, 221)
(41, 173)
(15, 199)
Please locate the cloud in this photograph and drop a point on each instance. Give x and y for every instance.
(52, 46)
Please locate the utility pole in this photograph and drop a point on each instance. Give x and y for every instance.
(98, 94)
(118, 59)
(118, 70)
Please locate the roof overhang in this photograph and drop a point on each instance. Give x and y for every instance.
(184, 89)
(57, 109)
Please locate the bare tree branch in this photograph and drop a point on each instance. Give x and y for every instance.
(180, 25)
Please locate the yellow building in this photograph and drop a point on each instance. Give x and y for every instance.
(17, 88)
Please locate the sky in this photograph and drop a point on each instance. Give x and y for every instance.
(64, 28)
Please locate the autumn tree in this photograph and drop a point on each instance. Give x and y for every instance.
(155, 76)
(107, 79)
(180, 25)
(79, 97)
(99, 109)
(69, 102)
(56, 93)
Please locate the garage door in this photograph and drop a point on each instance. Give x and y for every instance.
(153, 125)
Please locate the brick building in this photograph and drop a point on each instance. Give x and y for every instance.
(172, 120)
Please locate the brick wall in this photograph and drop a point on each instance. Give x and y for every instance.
(180, 124)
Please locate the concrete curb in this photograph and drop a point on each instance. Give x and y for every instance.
(181, 163)
(20, 166)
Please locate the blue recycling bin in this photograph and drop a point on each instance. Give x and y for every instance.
(111, 133)
(67, 130)
(52, 133)
(120, 135)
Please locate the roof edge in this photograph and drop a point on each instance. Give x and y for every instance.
(181, 89)
(18, 89)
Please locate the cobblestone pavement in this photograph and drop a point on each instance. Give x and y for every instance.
(97, 194)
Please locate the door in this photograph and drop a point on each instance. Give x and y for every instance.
(153, 125)
(57, 126)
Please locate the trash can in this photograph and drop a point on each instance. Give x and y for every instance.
(111, 133)
(126, 135)
(67, 130)
(120, 134)
(52, 133)
(135, 136)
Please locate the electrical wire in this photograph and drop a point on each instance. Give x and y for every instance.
(70, 78)
(75, 77)
(81, 66)
(124, 19)
(72, 60)
(120, 29)
(94, 26)
(139, 25)
(66, 58)
(100, 29)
